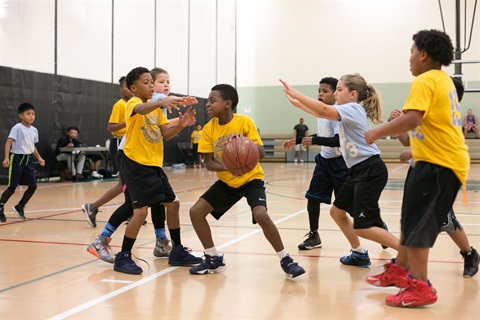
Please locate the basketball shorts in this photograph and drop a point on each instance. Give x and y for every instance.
(222, 197)
(361, 191)
(430, 192)
(22, 171)
(146, 185)
(328, 175)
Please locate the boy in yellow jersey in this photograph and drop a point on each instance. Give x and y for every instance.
(145, 180)
(442, 162)
(229, 189)
(194, 140)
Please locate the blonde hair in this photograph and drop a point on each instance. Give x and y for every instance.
(367, 96)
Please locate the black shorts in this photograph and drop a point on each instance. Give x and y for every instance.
(147, 185)
(328, 175)
(222, 197)
(22, 171)
(360, 193)
(430, 192)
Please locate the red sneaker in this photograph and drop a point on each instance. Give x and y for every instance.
(417, 293)
(391, 276)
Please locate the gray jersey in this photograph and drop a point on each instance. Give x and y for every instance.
(352, 127)
(327, 128)
(24, 139)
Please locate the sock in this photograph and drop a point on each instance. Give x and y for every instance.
(282, 254)
(359, 249)
(160, 233)
(211, 251)
(108, 230)
(127, 244)
(175, 234)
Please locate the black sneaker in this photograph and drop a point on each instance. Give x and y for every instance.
(211, 264)
(18, 209)
(3, 218)
(471, 260)
(291, 269)
(313, 241)
(124, 263)
(386, 227)
(179, 256)
(356, 259)
(90, 214)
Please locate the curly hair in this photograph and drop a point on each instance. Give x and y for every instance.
(332, 82)
(135, 74)
(436, 44)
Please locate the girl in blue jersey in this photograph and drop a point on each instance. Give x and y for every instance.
(356, 103)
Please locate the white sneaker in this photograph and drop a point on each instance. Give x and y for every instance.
(97, 175)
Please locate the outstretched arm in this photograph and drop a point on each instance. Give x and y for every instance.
(309, 105)
(409, 120)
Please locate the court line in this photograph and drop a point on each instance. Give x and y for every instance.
(138, 283)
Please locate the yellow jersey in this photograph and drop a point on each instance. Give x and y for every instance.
(118, 116)
(195, 136)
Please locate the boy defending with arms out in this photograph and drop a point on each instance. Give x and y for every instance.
(432, 113)
(19, 148)
(141, 167)
(229, 189)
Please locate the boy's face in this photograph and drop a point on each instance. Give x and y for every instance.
(199, 127)
(416, 59)
(325, 94)
(126, 93)
(27, 117)
(216, 105)
(72, 134)
(143, 87)
(162, 84)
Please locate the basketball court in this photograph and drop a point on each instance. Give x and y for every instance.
(46, 272)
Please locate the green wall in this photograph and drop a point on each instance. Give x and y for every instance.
(272, 112)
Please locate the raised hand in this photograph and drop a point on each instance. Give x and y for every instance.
(287, 144)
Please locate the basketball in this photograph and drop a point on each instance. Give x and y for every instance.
(240, 155)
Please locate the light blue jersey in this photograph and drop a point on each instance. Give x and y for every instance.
(327, 128)
(24, 139)
(352, 127)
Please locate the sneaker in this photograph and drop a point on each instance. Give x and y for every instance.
(313, 241)
(18, 209)
(386, 227)
(3, 218)
(90, 214)
(96, 175)
(417, 293)
(179, 256)
(162, 248)
(211, 264)
(301, 160)
(296, 160)
(393, 275)
(124, 263)
(100, 248)
(291, 269)
(356, 259)
(470, 266)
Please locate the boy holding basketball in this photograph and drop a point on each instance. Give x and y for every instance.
(230, 188)
(442, 162)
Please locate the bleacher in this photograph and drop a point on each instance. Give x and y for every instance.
(390, 149)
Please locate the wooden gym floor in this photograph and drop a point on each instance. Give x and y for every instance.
(46, 272)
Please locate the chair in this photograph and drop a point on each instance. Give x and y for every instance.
(39, 171)
(58, 167)
(186, 152)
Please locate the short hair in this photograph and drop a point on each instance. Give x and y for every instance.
(437, 45)
(135, 74)
(72, 128)
(459, 87)
(156, 71)
(24, 107)
(332, 82)
(121, 80)
(227, 92)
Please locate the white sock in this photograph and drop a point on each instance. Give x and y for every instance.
(282, 254)
(359, 249)
(211, 251)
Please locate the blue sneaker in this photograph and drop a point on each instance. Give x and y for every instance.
(211, 264)
(291, 269)
(124, 263)
(356, 259)
(179, 256)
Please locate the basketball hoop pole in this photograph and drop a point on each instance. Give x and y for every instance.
(458, 50)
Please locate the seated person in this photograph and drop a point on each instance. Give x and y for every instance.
(70, 140)
(470, 124)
